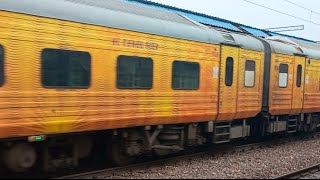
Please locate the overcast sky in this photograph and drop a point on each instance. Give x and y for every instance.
(243, 12)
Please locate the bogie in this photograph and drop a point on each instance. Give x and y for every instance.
(19, 157)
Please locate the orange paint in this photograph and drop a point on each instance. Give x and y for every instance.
(27, 108)
(312, 86)
(281, 98)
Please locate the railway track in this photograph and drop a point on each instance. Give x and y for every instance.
(302, 173)
(226, 149)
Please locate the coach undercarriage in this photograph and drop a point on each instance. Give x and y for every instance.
(123, 146)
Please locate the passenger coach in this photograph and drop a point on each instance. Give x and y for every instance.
(111, 80)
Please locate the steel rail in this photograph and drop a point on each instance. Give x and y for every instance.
(300, 173)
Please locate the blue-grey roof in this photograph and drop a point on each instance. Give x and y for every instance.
(202, 18)
(209, 21)
(245, 41)
(125, 7)
(124, 15)
(292, 37)
(214, 21)
(255, 32)
(116, 14)
(309, 49)
(284, 48)
(248, 42)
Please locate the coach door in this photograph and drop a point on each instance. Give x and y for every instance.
(281, 84)
(228, 83)
(298, 85)
(249, 84)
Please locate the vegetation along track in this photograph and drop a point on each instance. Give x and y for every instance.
(222, 149)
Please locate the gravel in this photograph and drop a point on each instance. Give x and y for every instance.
(266, 162)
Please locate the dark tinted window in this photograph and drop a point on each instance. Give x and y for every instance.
(284, 68)
(250, 71)
(185, 75)
(250, 65)
(1, 65)
(283, 75)
(229, 72)
(299, 76)
(134, 72)
(66, 69)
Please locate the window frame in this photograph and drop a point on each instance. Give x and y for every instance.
(299, 80)
(134, 88)
(2, 70)
(65, 87)
(254, 75)
(287, 65)
(226, 82)
(186, 89)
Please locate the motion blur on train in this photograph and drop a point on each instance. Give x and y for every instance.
(81, 78)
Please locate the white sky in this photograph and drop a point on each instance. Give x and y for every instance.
(252, 15)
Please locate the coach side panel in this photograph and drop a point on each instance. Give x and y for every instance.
(250, 83)
(312, 86)
(240, 94)
(298, 85)
(281, 84)
(28, 107)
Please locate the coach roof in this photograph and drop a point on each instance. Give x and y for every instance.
(116, 14)
(309, 49)
(245, 41)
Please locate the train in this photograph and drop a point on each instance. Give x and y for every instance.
(80, 77)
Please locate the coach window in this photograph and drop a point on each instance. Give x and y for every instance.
(185, 75)
(134, 72)
(299, 76)
(1, 65)
(283, 75)
(65, 69)
(250, 71)
(229, 72)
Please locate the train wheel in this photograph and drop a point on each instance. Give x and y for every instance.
(118, 155)
(313, 123)
(20, 157)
